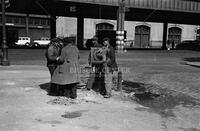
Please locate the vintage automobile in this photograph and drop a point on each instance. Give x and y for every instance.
(23, 41)
(189, 45)
(44, 41)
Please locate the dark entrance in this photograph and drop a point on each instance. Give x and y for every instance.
(174, 35)
(142, 36)
(11, 36)
(111, 34)
(106, 30)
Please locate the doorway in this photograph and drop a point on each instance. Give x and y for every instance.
(142, 36)
(174, 35)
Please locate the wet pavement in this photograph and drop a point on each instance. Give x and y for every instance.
(160, 93)
(158, 100)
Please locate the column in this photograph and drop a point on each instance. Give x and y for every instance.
(165, 27)
(27, 25)
(120, 27)
(80, 31)
(4, 61)
(53, 26)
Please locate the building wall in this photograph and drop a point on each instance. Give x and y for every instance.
(35, 34)
(129, 27)
(38, 26)
(89, 28)
(68, 26)
(156, 34)
(188, 32)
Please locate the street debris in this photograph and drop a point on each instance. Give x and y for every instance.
(84, 96)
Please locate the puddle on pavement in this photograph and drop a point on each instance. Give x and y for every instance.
(75, 114)
(91, 127)
(158, 100)
(49, 122)
(190, 129)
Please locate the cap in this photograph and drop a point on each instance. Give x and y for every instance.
(56, 39)
(95, 38)
(68, 40)
(105, 39)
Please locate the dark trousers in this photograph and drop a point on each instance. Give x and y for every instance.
(97, 79)
(70, 90)
(51, 69)
(54, 87)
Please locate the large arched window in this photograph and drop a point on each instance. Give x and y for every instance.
(104, 26)
(142, 36)
(174, 34)
(198, 34)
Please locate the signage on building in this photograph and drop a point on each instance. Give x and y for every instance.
(72, 9)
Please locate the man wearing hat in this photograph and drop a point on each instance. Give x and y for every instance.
(66, 75)
(95, 42)
(95, 76)
(53, 59)
(110, 66)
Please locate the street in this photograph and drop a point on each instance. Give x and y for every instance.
(160, 93)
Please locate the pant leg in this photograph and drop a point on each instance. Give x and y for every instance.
(90, 81)
(115, 80)
(53, 89)
(108, 81)
(51, 69)
(73, 91)
(67, 91)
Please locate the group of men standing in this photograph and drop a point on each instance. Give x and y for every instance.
(104, 70)
(63, 64)
(62, 57)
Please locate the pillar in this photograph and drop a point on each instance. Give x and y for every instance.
(80, 31)
(27, 25)
(165, 27)
(4, 60)
(120, 27)
(53, 27)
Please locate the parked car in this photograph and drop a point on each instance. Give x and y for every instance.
(44, 41)
(189, 45)
(23, 41)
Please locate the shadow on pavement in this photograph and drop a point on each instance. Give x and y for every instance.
(157, 99)
(192, 59)
(45, 86)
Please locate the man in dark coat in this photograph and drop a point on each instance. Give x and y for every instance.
(53, 59)
(110, 66)
(52, 54)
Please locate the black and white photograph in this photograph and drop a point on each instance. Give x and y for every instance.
(100, 65)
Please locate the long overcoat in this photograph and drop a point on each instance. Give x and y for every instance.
(68, 72)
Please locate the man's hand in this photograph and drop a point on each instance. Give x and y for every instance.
(108, 60)
(60, 60)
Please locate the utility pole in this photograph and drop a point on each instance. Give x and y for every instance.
(120, 26)
(4, 61)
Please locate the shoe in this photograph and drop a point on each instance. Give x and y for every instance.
(107, 96)
(52, 94)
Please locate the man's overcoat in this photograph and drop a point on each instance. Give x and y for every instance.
(68, 72)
